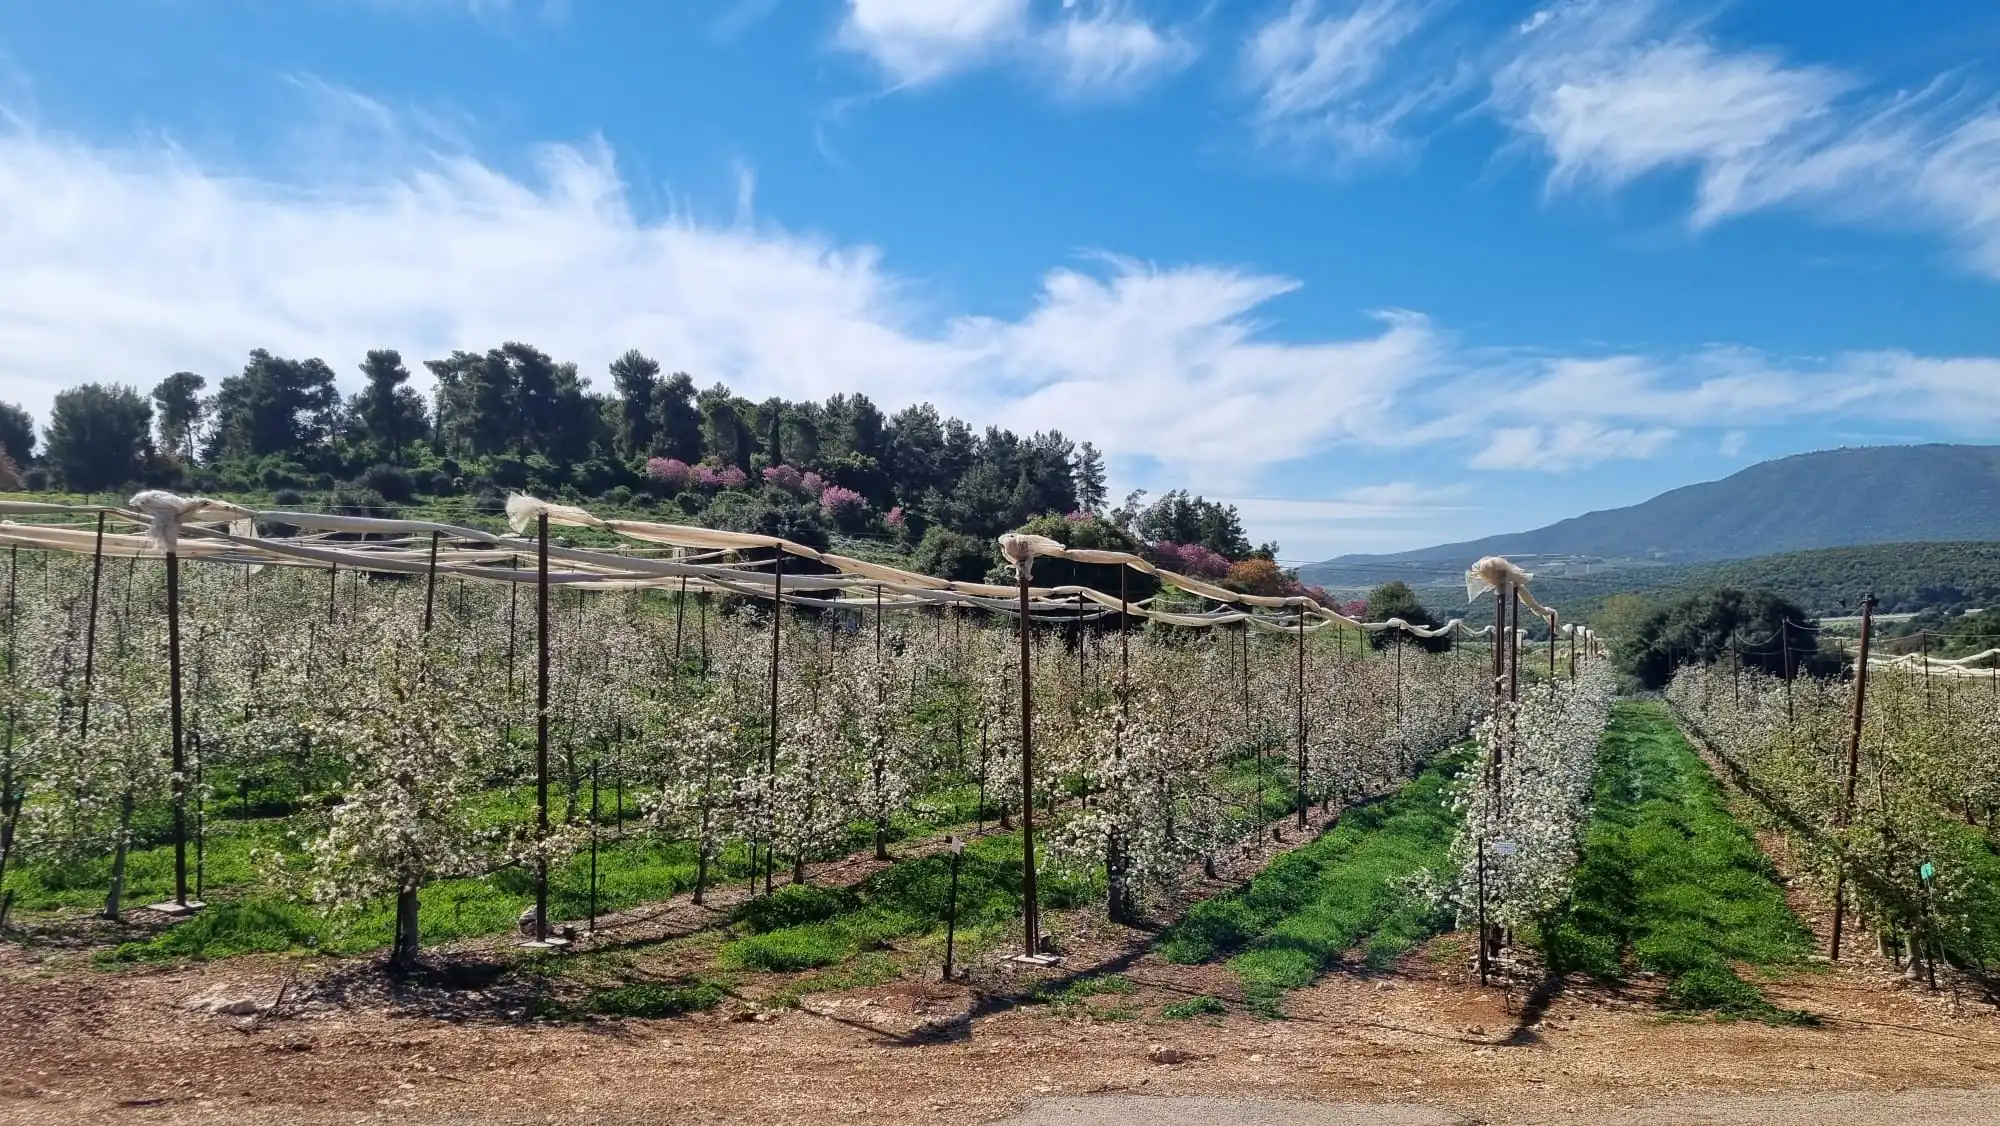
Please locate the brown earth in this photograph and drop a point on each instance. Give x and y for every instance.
(84, 1045)
(1422, 1044)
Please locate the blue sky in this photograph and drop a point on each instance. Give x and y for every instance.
(1382, 273)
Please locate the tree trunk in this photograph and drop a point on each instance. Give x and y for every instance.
(403, 955)
(701, 858)
(118, 860)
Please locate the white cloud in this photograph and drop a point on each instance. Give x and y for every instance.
(1339, 79)
(1093, 47)
(916, 41)
(1734, 443)
(1106, 49)
(1403, 495)
(1617, 91)
(1571, 445)
(130, 264)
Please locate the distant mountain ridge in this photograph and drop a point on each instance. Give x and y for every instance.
(1832, 498)
(1904, 577)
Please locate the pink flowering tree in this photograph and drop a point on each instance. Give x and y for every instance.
(1191, 559)
(784, 477)
(838, 502)
(733, 478)
(812, 484)
(894, 518)
(669, 471)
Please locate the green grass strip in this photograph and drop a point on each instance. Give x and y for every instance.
(1670, 882)
(804, 928)
(1313, 905)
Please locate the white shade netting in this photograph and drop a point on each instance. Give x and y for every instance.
(704, 560)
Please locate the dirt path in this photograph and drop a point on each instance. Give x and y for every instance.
(120, 1048)
(1914, 1108)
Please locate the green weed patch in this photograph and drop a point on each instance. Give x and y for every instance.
(1313, 905)
(1670, 882)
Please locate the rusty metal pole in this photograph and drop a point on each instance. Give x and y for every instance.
(1514, 649)
(541, 725)
(1846, 810)
(680, 618)
(1031, 913)
(771, 756)
(1300, 702)
(175, 712)
(431, 584)
(90, 630)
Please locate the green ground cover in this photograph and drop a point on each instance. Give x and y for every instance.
(1670, 882)
(1314, 905)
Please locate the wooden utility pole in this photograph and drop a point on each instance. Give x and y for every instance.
(1846, 810)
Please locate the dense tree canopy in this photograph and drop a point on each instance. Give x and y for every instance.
(1761, 629)
(514, 417)
(177, 399)
(100, 436)
(1397, 600)
(17, 433)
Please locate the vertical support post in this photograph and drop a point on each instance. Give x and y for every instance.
(174, 713)
(1846, 810)
(771, 754)
(1552, 646)
(1514, 649)
(10, 804)
(332, 590)
(951, 907)
(89, 629)
(541, 725)
(431, 584)
(1785, 632)
(680, 617)
(594, 764)
(513, 606)
(1299, 704)
(1031, 915)
(1572, 652)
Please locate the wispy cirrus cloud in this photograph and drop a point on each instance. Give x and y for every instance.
(1340, 75)
(1613, 92)
(134, 262)
(129, 262)
(1570, 445)
(1089, 48)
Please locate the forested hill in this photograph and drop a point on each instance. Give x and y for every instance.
(1833, 498)
(1832, 581)
(515, 418)
(932, 490)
